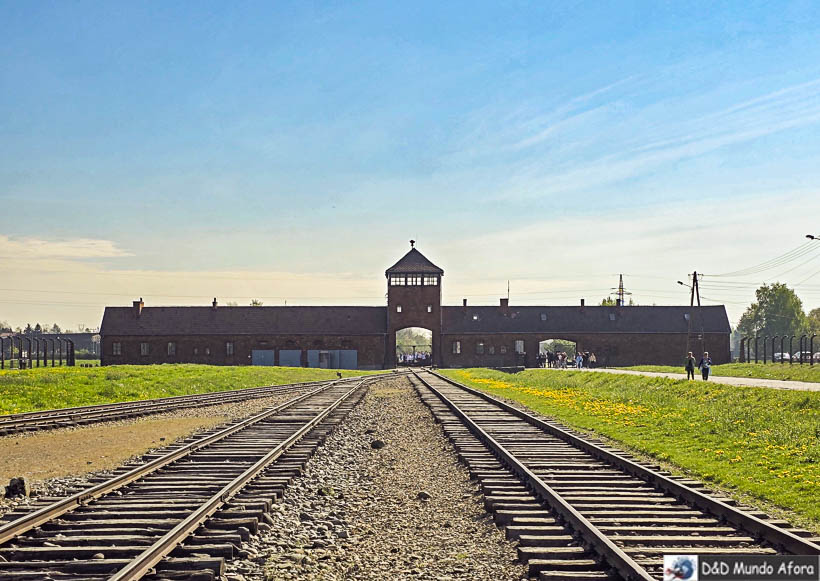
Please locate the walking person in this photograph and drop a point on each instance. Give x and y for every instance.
(579, 360)
(705, 365)
(690, 366)
(592, 360)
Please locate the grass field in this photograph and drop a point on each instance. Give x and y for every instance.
(784, 371)
(754, 442)
(47, 388)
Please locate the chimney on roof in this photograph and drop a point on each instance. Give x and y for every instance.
(464, 303)
(505, 303)
(138, 307)
(582, 302)
(213, 304)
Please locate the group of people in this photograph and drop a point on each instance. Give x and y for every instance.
(418, 358)
(559, 359)
(705, 364)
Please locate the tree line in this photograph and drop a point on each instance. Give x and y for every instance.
(778, 310)
(38, 329)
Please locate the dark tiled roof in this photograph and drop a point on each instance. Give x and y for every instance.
(460, 320)
(245, 321)
(414, 262)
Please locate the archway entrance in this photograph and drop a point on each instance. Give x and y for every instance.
(414, 347)
(556, 353)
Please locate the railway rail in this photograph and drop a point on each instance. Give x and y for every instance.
(82, 415)
(186, 510)
(583, 511)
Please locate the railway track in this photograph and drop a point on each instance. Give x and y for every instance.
(186, 510)
(76, 416)
(582, 511)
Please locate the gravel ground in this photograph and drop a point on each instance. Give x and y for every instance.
(356, 511)
(58, 462)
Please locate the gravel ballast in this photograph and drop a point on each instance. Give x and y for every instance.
(404, 510)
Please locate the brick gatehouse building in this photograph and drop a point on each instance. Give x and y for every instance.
(365, 337)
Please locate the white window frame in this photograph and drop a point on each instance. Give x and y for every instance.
(429, 308)
(116, 348)
(398, 308)
(456, 347)
(229, 348)
(171, 349)
(430, 280)
(397, 280)
(414, 280)
(145, 349)
(519, 346)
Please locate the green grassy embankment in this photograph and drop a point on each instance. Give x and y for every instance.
(756, 443)
(782, 371)
(58, 387)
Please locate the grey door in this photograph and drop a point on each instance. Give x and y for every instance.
(348, 359)
(290, 357)
(262, 357)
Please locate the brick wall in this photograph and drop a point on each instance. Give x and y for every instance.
(610, 349)
(370, 348)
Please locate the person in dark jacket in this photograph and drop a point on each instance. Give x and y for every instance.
(690, 366)
(705, 365)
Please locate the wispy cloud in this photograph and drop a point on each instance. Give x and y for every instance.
(615, 134)
(75, 248)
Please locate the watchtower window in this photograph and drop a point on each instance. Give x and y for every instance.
(414, 280)
(430, 280)
(396, 280)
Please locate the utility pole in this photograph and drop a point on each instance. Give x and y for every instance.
(621, 291)
(695, 290)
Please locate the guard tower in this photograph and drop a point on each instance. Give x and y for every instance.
(413, 300)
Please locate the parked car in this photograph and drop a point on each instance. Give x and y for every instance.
(806, 356)
(780, 357)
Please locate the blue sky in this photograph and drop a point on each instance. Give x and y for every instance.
(293, 148)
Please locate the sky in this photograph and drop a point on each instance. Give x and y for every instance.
(288, 151)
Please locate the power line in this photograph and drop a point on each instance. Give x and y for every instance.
(785, 258)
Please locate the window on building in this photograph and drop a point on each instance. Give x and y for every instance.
(172, 348)
(611, 316)
(144, 349)
(543, 316)
(396, 280)
(430, 280)
(229, 347)
(475, 317)
(414, 280)
(207, 350)
(398, 308)
(457, 347)
(116, 348)
(196, 350)
(479, 348)
(503, 349)
(686, 316)
(492, 349)
(519, 345)
(429, 308)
